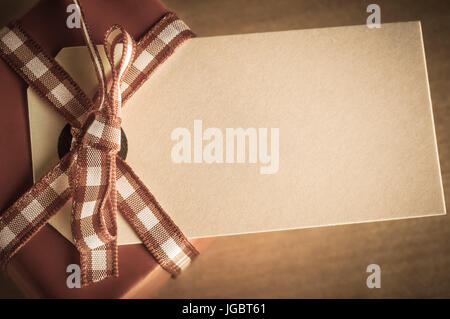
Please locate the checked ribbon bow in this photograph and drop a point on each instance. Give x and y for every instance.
(97, 180)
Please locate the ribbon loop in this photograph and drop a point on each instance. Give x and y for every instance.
(117, 38)
(114, 37)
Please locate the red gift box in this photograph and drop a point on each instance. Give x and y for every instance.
(39, 268)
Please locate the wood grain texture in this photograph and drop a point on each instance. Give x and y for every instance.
(414, 254)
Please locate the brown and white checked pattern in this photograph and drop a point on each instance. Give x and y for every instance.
(43, 74)
(28, 214)
(152, 225)
(101, 182)
(153, 49)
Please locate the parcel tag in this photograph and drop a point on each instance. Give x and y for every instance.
(273, 131)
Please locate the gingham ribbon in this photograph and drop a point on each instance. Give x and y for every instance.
(91, 174)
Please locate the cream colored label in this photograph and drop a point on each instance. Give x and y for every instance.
(353, 113)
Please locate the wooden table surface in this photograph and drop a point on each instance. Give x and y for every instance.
(414, 254)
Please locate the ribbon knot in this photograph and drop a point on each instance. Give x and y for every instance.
(102, 132)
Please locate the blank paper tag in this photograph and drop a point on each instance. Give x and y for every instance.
(351, 106)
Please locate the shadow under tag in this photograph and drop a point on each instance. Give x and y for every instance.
(65, 140)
